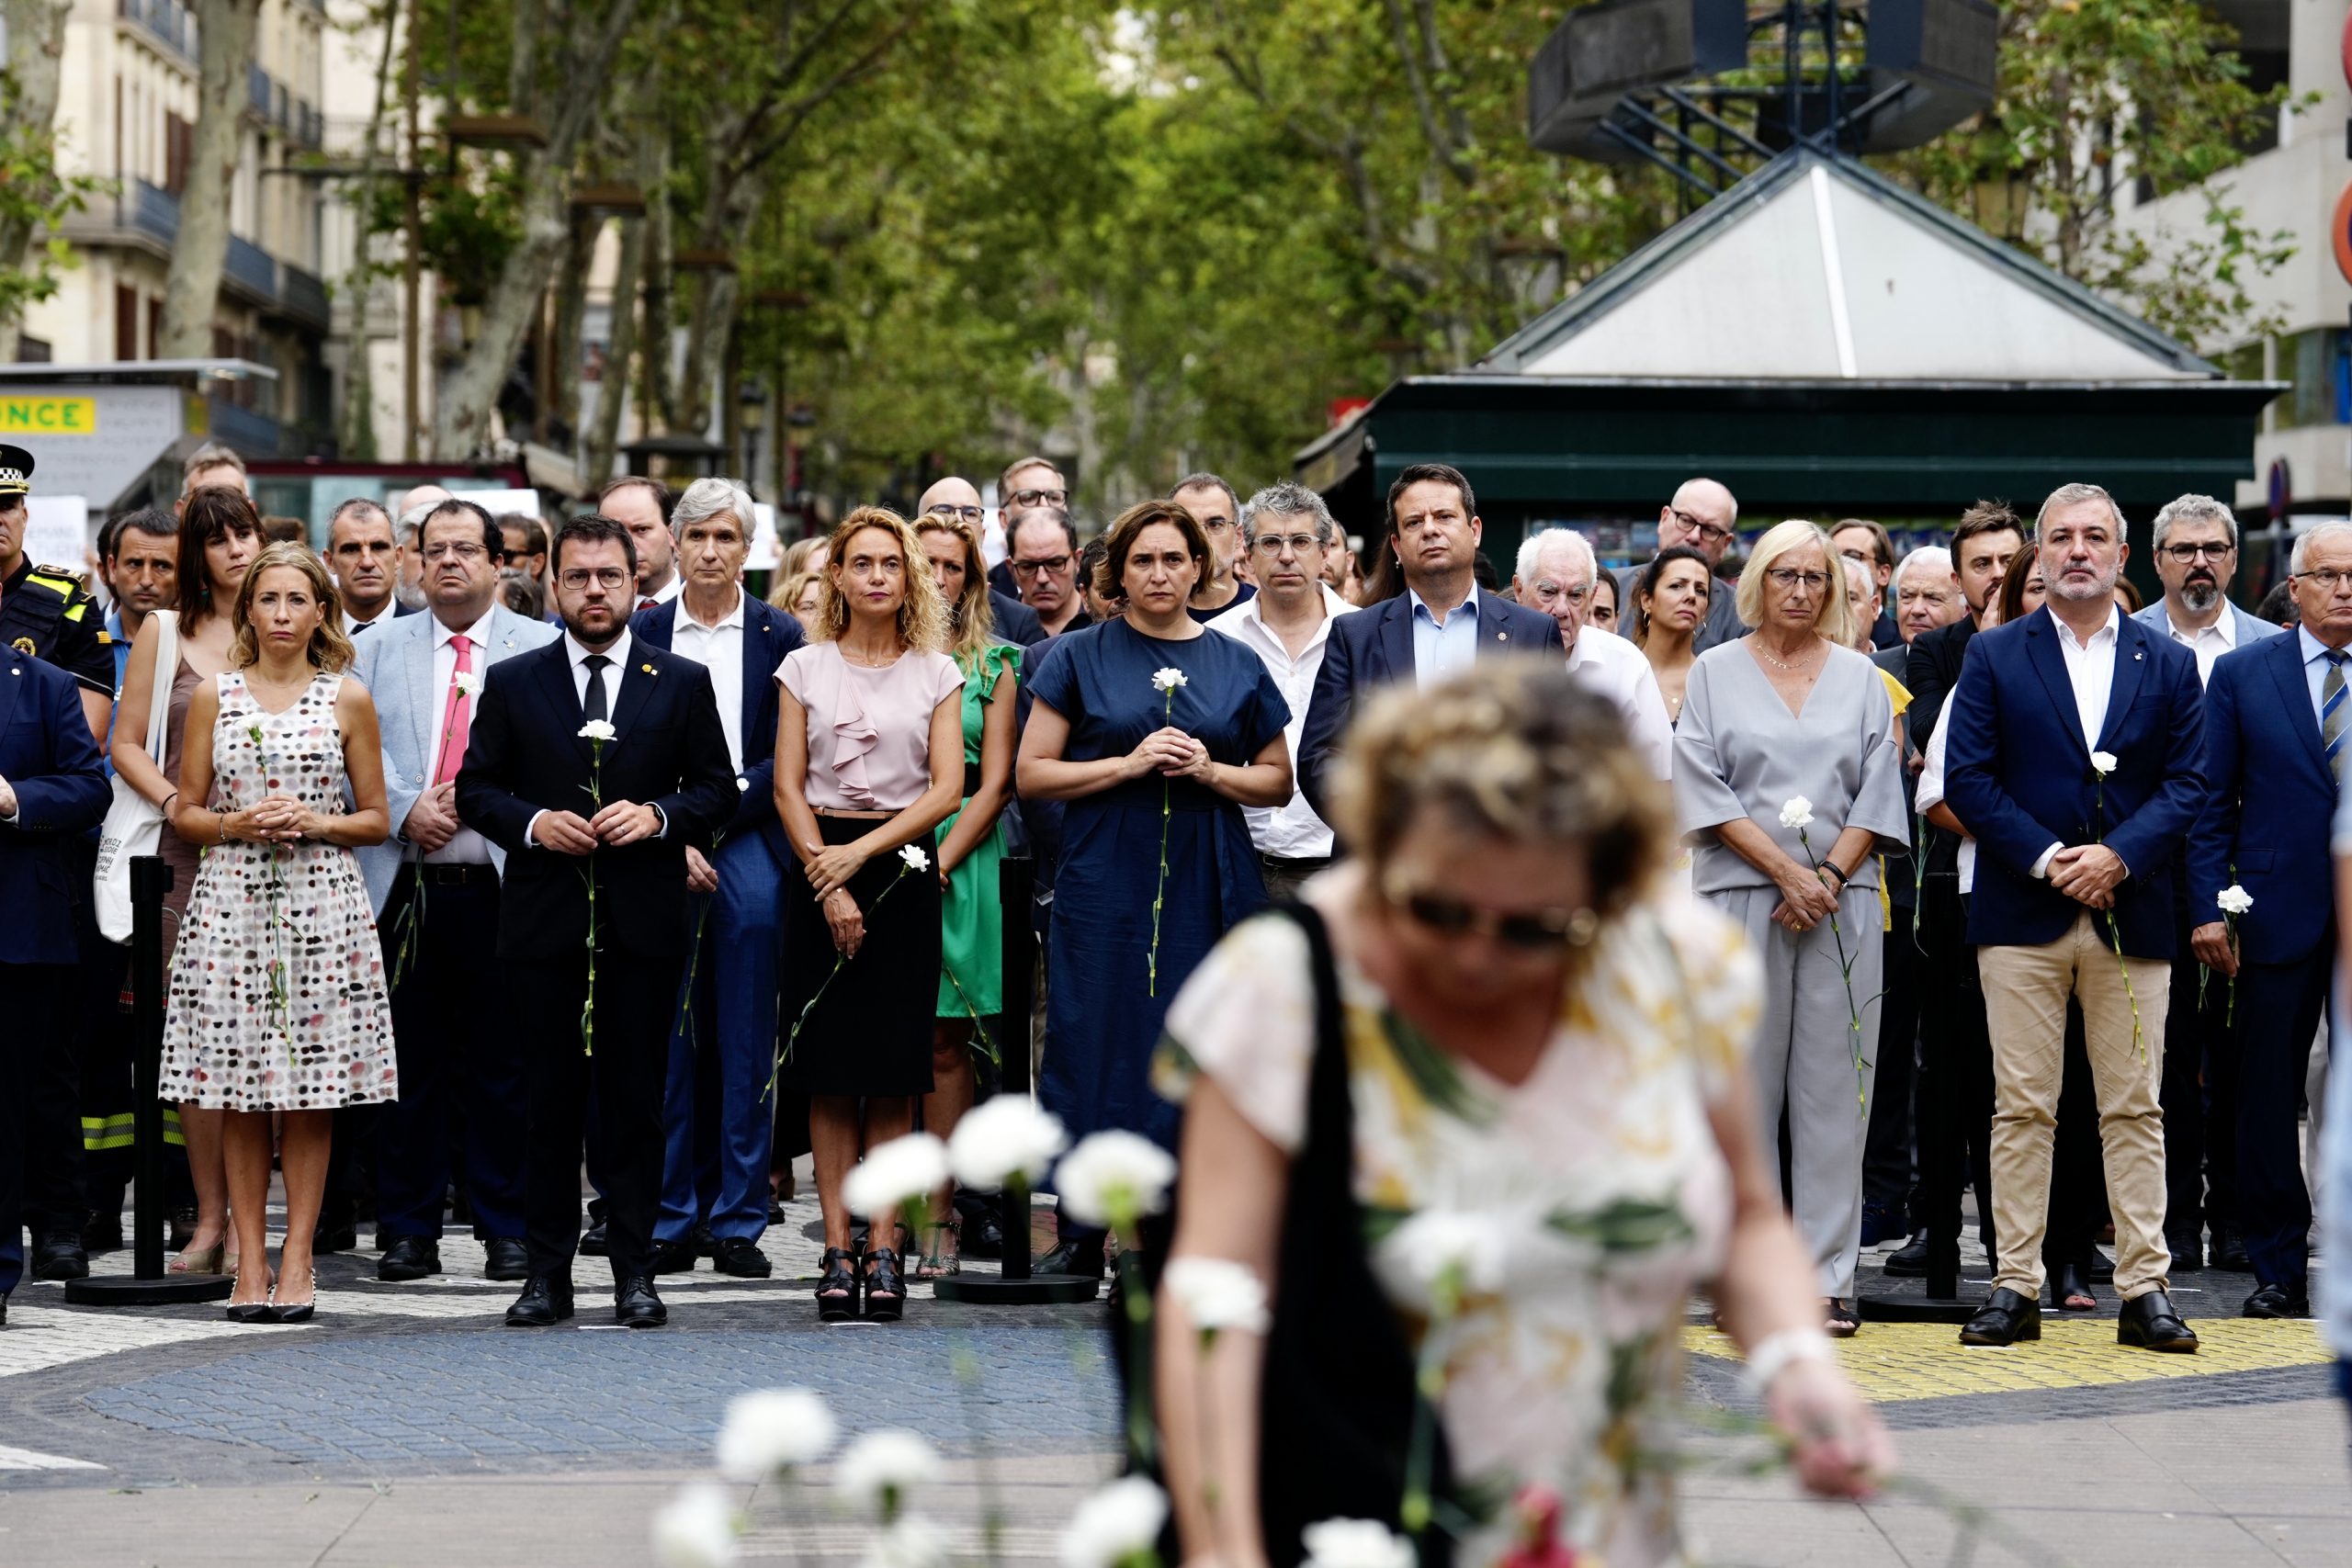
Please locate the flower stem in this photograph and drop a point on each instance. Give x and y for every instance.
(1846, 969)
(1159, 892)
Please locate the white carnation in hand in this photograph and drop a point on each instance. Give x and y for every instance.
(903, 1171)
(1356, 1543)
(1118, 1524)
(770, 1430)
(1796, 812)
(882, 1468)
(1218, 1294)
(1112, 1176)
(2234, 899)
(1168, 680)
(1002, 1138)
(695, 1529)
(2103, 762)
(914, 857)
(597, 730)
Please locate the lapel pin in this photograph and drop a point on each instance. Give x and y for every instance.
(649, 669)
(1502, 636)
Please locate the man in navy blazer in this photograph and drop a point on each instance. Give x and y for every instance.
(2074, 756)
(2276, 719)
(1438, 624)
(52, 787)
(596, 763)
(718, 1121)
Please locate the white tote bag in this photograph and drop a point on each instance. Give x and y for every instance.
(133, 827)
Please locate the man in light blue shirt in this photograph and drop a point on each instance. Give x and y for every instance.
(1445, 642)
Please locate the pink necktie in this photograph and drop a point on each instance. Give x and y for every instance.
(458, 714)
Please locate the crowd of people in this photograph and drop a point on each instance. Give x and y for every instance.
(498, 851)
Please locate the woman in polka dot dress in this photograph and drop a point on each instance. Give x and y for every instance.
(278, 1001)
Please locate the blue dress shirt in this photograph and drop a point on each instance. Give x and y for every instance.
(1442, 650)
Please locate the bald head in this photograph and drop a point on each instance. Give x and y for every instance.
(949, 491)
(1701, 516)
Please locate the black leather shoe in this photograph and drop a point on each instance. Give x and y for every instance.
(2150, 1321)
(4, 1312)
(60, 1256)
(742, 1257)
(508, 1259)
(704, 1243)
(2006, 1318)
(983, 1234)
(541, 1305)
(593, 1244)
(1081, 1256)
(327, 1238)
(2188, 1253)
(2278, 1300)
(183, 1229)
(673, 1257)
(1908, 1261)
(2229, 1252)
(635, 1304)
(408, 1258)
(102, 1231)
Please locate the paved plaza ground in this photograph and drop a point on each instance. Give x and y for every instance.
(406, 1427)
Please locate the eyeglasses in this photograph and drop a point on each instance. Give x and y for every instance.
(1451, 918)
(1547, 591)
(972, 514)
(1049, 566)
(1789, 577)
(1272, 546)
(1041, 498)
(579, 577)
(1714, 533)
(2327, 578)
(2183, 555)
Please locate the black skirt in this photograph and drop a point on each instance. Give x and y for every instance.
(869, 1030)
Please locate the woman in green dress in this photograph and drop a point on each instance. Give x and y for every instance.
(971, 847)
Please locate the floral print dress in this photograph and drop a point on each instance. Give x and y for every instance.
(277, 999)
(1596, 1190)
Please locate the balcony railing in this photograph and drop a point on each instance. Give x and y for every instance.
(149, 210)
(243, 429)
(250, 267)
(257, 89)
(302, 297)
(168, 21)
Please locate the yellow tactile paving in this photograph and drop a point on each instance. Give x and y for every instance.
(1892, 1362)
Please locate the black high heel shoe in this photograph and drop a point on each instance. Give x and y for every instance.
(886, 1288)
(837, 1289)
(300, 1311)
(255, 1312)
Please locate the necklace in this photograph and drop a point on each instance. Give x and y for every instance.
(1795, 668)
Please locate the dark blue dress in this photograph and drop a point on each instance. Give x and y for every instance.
(1102, 1019)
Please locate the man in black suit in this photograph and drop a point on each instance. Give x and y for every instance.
(1015, 622)
(593, 762)
(365, 554)
(1439, 624)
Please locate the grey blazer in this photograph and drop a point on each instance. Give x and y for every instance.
(2250, 629)
(395, 663)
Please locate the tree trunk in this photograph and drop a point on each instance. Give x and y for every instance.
(571, 313)
(604, 437)
(193, 285)
(657, 412)
(711, 332)
(36, 48)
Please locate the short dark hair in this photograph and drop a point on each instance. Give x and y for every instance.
(1985, 517)
(1045, 514)
(1638, 633)
(588, 528)
(1443, 473)
(358, 503)
(1881, 542)
(213, 512)
(493, 539)
(1207, 481)
(283, 530)
(1129, 526)
(663, 496)
(154, 520)
(535, 532)
(1090, 567)
(521, 592)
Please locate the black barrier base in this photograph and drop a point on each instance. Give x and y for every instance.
(1918, 1309)
(1037, 1289)
(121, 1289)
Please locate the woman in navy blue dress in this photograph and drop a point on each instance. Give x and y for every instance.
(1137, 759)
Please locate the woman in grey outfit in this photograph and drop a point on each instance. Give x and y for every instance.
(1791, 711)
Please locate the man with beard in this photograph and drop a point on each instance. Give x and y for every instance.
(2197, 553)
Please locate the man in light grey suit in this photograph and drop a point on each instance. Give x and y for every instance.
(2197, 553)
(434, 886)
(1704, 516)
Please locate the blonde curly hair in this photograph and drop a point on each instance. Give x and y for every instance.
(922, 614)
(329, 648)
(1516, 749)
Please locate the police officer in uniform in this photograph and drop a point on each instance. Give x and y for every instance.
(46, 614)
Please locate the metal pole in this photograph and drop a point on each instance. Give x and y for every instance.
(412, 267)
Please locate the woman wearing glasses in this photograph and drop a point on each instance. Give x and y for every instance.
(1493, 1024)
(1787, 784)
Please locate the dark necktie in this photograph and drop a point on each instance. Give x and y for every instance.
(647, 603)
(2331, 711)
(592, 706)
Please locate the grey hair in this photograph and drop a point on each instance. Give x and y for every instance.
(1926, 556)
(705, 499)
(1531, 550)
(1287, 500)
(2075, 495)
(2304, 542)
(411, 521)
(357, 503)
(2192, 509)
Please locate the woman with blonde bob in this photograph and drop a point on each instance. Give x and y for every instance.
(1787, 786)
(1493, 1041)
(278, 1004)
(869, 760)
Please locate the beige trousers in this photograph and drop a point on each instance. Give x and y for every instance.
(2026, 990)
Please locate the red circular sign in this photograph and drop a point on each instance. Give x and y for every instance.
(2340, 234)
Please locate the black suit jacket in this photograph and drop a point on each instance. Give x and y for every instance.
(1015, 622)
(768, 635)
(524, 755)
(1928, 674)
(1366, 651)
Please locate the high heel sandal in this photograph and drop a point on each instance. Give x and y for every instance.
(300, 1311)
(837, 1289)
(886, 1288)
(1843, 1320)
(939, 1266)
(206, 1260)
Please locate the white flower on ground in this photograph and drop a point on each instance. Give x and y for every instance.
(1117, 1524)
(597, 730)
(1002, 1138)
(695, 1529)
(1218, 1294)
(1356, 1543)
(909, 1542)
(1113, 1175)
(1796, 812)
(2234, 899)
(1441, 1254)
(914, 857)
(904, 1170)
(770, 1430)
(880, 1470)
(2103, 762)
(1168, 680)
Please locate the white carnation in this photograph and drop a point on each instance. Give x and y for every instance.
(1218, 1294)
(881, 1468)
(914, 857)
(1006, 1137)
(1356, 1543)
(1461, 1250)
(467, 683)
(1796, 812)
(1168, 680)
(2103, 762)
(695, 1529)
(1111, 1176)
(770, 1430)
(904, 1170)
(2234, 899)
(597, 730)
(909, 1542)
(1120, 1522)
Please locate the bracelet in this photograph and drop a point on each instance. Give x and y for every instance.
(1775, 1353)
(166, 808)
(1835, 870)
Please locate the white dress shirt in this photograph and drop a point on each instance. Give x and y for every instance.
(2090, 670)
(1931, 793)
(719, 650)
(1614, 667)
(391, 607)
(578, 657)
(1292, 832)
(468, 848)
(1442, 650)
(2315, 668)
(2207, 643)
(671, 590)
